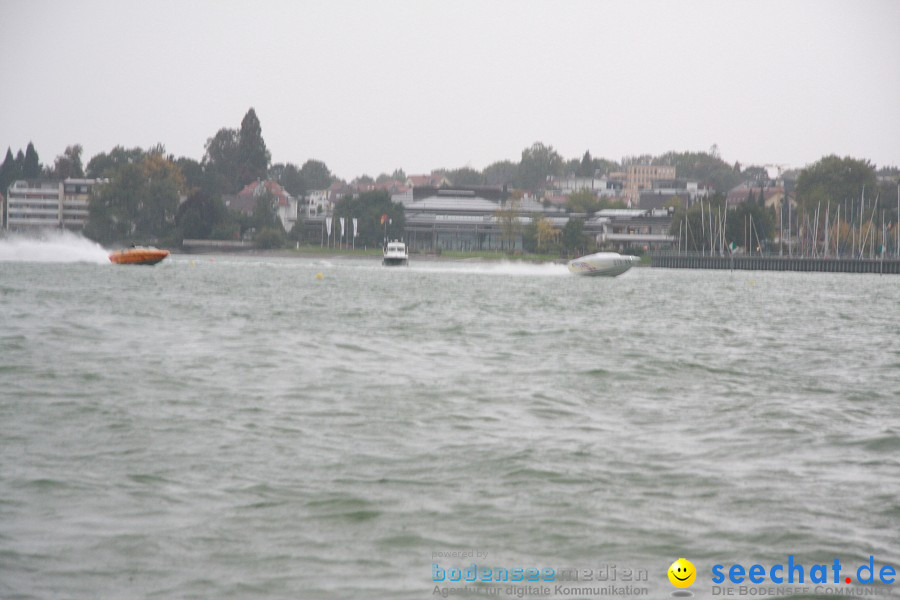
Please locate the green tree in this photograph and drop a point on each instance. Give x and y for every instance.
(104, 165)
(69, 163)
(832, 180)
(465, 176)
(586, 166)
(113, 208)
(702, 167)
(547, 236)
(265, 214)
(530, 235)
(368, 209)
(200, 215)
(538, 162)
(573, 237)
(269, 238)
(583, 201)
(20, 164)
(253, 157)
(267, 227)
(315, 175)
(590, 167)
(749, 225)
(192, 172)
(9, 172)
(289, 177)
(139, 202)
(503, 172)
(292, 180)
(163, 183)
(510, 226)
(221, 162)
(31, 167)
(757, 175)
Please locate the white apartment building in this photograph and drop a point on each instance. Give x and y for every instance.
(317, 203)
(41, 204)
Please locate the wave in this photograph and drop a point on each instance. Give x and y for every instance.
(52, 247)
(499, 268)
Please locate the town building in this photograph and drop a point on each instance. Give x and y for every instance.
(600, 186)
(474, 218)
(641, 177)
(44, 204)
(773, 198)
(423, 181)
(663, 192)
(632, 228)
(246, 200)
(318, 203)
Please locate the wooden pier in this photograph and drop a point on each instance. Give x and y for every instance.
(886, 266)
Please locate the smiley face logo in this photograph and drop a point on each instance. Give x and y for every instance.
(682, 573)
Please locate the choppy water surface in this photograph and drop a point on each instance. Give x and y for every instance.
(235, 427)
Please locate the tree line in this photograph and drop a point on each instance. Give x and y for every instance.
(141, 200)
(142, 197)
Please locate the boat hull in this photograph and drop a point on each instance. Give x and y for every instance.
(395, 254)
(394, 262)
(602, 264)
(138, 256)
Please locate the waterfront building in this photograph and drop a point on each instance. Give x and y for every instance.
(476, 218)
(472, 219)
(464, 218)
(48, 204)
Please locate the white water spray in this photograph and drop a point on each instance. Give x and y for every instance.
(512, 268)
(51, 247)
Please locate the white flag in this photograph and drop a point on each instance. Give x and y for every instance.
(328, 224)
(342, 227)
(355, 231)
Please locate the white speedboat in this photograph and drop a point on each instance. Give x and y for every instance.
(606, 264)
(395, 254)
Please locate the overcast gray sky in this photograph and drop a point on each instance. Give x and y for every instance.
(371, 86)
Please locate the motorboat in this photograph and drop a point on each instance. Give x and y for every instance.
(395, 254)
(604, 264)
(138, 255)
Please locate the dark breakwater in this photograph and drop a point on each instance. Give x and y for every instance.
(888, 266)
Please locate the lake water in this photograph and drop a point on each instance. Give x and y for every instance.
(235, 427)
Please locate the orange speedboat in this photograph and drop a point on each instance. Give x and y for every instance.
(138, 256)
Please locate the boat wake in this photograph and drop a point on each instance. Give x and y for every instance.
(507, 268)
(51, 247)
